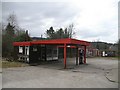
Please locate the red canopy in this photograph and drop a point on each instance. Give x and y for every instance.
(53, 41)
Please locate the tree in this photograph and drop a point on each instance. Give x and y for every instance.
(119, 48)
(0, 39)
(105, 46)
(66, 33)
(60, 33)
(7, 40)
(12, 32)
(23, 36)
(97, 46)
(12, 19)
(71, 30)
(50, 33)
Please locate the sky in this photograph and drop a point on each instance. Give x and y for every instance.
(94, 20)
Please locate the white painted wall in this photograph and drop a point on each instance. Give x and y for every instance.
(27, 52)
(103, 53)
(20, 49)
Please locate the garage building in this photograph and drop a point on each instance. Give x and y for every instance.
(44, 50)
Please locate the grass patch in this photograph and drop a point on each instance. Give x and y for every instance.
(9, 64)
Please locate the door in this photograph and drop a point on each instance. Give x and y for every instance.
(43, 52)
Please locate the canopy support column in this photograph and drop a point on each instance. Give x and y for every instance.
(85, 54)
(76, 55)
(65, 56)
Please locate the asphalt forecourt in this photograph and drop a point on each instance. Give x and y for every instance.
(97, 73)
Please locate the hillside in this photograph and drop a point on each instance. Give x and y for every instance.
(104, 45)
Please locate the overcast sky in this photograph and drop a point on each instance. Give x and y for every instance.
(93, 19)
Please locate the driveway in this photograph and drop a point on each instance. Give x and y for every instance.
(97, 73)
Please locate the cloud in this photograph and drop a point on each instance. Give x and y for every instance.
(93, 19)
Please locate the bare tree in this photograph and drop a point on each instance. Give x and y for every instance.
(10, 33)
(12, 19)
(71, 30)
(0, 39)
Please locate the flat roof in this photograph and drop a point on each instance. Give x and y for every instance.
(53, 42)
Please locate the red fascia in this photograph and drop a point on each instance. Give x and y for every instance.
(81, 42)
(54, 41)
(22, 44)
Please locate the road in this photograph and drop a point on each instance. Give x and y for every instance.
(97, 73)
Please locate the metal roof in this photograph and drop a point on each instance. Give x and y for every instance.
(53, 41)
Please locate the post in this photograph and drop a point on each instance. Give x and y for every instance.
(85, 54)
(65, 56)
(16, 49)
(76, 55)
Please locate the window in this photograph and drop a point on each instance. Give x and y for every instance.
(20, 49)
(34, 48)
(27, 50)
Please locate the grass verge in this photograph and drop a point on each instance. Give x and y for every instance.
(8, 64)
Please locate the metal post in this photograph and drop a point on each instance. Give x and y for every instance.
(76, 55)
(65, 56)
(85, 54)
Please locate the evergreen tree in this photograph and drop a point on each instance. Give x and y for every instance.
(7, 40)
(11, 33)
(50, 33)
(60, 33)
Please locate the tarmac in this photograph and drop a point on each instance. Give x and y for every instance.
(97, 73)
